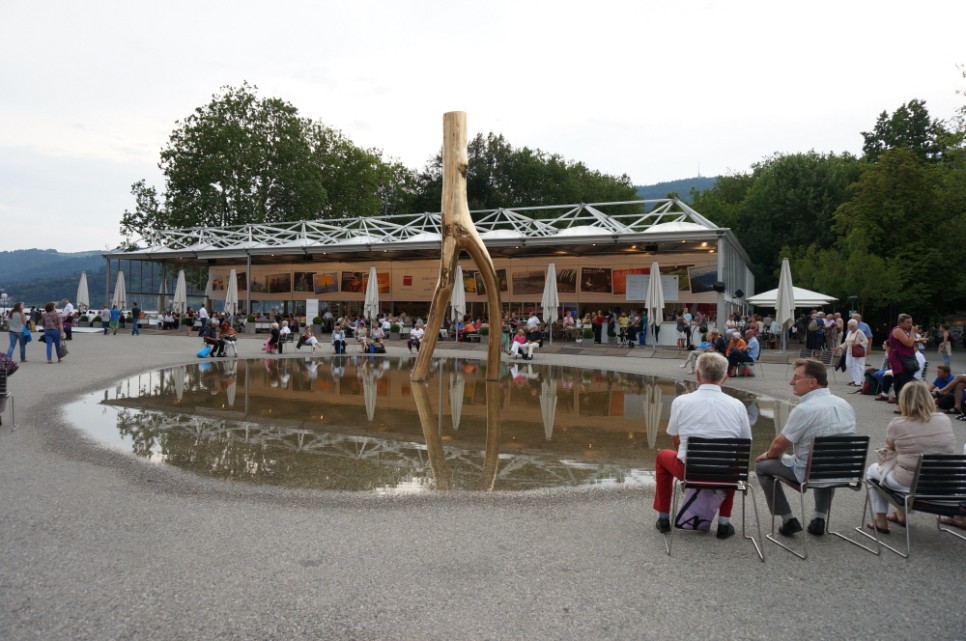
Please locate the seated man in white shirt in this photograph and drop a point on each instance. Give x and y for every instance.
(415, 337)
(707, 412)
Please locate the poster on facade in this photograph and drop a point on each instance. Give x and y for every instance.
(385, 286)
(411, 283)
(471, 281)
(681, 271)
(279, 283)
(326, 283)
(242, 281)
(595, 280)
(637, 286)
(303, 281)
(528, 282)
(703, 278)
(259, 285)
(354, 282)
(566, 281)
(620, 278)
(500, 279)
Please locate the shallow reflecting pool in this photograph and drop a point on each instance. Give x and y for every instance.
(357, 423)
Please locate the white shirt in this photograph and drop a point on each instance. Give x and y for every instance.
(202, 313)
(707, 412)
(417, 333)
(819, 413)
(67, 311)
(532, 322)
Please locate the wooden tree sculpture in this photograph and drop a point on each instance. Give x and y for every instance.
(459, 233)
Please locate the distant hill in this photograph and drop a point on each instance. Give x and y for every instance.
(681, 187)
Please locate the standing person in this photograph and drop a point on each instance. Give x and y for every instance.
(204, 318)
(598, 325)
(16, 324)
(115, 319)
(67, 318)
(105, 319)
(643, 335)
(818, 414)
(902, 353)
(135, 320)
(863, 326)
(707, 412)
(856, 346)
(945, 345)
(53, 330)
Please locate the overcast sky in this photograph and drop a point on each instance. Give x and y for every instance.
(90, 91)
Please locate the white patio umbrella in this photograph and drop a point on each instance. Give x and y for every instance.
(654, 301)
(120, 292)
(653, 408)
(180, 300)
(179, 373)
(232, 388)
(371, 306)
(548, 405)
(83, 299)
(802, 297)
(785, 300)
(458, 300)
(231, 297)
(550, 301)
(369, 394)
(457, 388)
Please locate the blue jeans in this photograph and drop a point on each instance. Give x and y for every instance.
(53, 340)
(14, 337)
(135, 327)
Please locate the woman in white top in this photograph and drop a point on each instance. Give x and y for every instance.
(338, 339)
(16, 321)
(855, 343)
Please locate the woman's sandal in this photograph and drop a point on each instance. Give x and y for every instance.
(873, 526)
(892, 517)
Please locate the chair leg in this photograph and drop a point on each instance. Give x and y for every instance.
(754, 503)
(828, 523)
(867, 509)
(674, 511)
(939, 526)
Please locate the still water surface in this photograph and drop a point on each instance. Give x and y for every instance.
(357, 423)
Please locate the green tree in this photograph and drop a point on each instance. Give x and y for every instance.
(243, 159)
(498, 175)
(909, 127)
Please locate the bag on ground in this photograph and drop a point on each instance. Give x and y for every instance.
(699, 507)
(870, 386)
(204, 352)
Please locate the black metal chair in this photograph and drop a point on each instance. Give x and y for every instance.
(718, 463)
(833, 462)
(5, 394)
(938, 487)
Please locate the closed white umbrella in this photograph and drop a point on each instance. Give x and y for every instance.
(180, 300)
(232, 388)
(371, 306)
(231, 297)
(785, 300)
(457, 388)
(458, 300)
(654, 301)
(550, 301)
(120, 292)
(548, 406)
(83, 296)
(179, 374)
(369, 394)
(653, 408)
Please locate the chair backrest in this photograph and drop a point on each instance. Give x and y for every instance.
(717, 461)
(3, 382)
(837, 460)
(940, 477)
(826, 357)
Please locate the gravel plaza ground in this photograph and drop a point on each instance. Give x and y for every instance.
(99, 546)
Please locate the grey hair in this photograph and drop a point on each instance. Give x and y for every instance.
(713, 367)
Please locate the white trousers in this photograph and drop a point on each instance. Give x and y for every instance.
(855, 367)
(516, 348)
(879, 504)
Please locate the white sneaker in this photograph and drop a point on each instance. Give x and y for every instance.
(683, 365)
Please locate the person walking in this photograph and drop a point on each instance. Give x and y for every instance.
(856, 346)
(115, 319)
(17, 324)
(135, 320)
(53, 330)
(105, 319)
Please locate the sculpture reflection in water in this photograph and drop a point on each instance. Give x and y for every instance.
(358, 423)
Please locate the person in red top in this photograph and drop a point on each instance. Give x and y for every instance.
(902, 351)
(598, 326)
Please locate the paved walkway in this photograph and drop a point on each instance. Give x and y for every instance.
(99, 546)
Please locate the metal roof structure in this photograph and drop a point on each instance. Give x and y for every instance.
(577, 229)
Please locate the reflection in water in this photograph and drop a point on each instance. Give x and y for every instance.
(359, 423)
